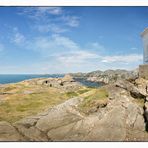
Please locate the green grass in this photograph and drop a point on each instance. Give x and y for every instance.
(71, 94)
(98, 98)
(19, 104)
(81, 91)
(7, 89)
(78, 92)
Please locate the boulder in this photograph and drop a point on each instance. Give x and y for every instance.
(76, 131)
(60, 115)
(27, 127)
(109, 128)
(135, 119)
(134, 91)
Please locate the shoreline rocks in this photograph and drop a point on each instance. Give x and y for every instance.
(124, 117)
(118, 120)
(108, 76)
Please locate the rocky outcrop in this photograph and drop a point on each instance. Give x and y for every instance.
(134, 91)
(37, 128)
(120, 119)
(9, 133)
(67, 83)
(108, 76)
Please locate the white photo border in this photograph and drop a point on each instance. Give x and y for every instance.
(73, 2)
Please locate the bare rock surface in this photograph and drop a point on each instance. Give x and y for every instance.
(110, 128)
(9, 133)
(60, 115)
(120, 120)
(108, 76)
(135, 92)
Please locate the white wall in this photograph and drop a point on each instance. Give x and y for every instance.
(145, 45)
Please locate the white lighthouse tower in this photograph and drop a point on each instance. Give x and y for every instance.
(143, 69)
(144, 36)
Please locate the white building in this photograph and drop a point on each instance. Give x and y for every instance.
(144, 36)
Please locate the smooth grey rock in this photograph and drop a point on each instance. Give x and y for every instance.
(75, 131)
(9, 133)
(139, 124)
(60, 115)
(135, 117)
(58, 134)
(135, 92)
(110, 128)
(32, 133)
(108, 76)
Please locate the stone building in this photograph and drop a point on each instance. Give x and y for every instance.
(143, 69)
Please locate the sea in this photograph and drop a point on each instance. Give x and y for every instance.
(14, 78)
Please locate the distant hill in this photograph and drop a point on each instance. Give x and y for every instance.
(107, 76)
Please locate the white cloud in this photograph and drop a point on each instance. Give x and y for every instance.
(45, 22)
(50, 10)
(40, 12)
(17, 38)
(72, 21)
(53, 44)
(50, 28)
(61, 54)
(62, 51)
(76, 57)
(122, 58)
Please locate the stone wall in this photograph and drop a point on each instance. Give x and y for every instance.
(143, 71)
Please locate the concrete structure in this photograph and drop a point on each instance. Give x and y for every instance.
(143, 69)
(144, 36)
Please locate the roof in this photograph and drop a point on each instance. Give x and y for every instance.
(144, 32)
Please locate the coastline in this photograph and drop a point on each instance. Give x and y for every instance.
(15, 78)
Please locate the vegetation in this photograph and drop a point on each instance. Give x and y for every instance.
(71, 94)
(97, 99)
(78, 92)
(22, 100)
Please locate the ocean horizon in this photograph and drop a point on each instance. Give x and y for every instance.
(14, 78)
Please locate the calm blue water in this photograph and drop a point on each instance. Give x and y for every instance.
(89, 83)
(13, 78)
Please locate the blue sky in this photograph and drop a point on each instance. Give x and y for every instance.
(51, 40)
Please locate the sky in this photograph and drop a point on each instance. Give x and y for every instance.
(48, 40)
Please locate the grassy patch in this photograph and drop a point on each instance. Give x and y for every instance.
(81, 91)
(96, 100)
(71, 94)
(28, 100)
(78, 92)
(19, 105)
(7, 88)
